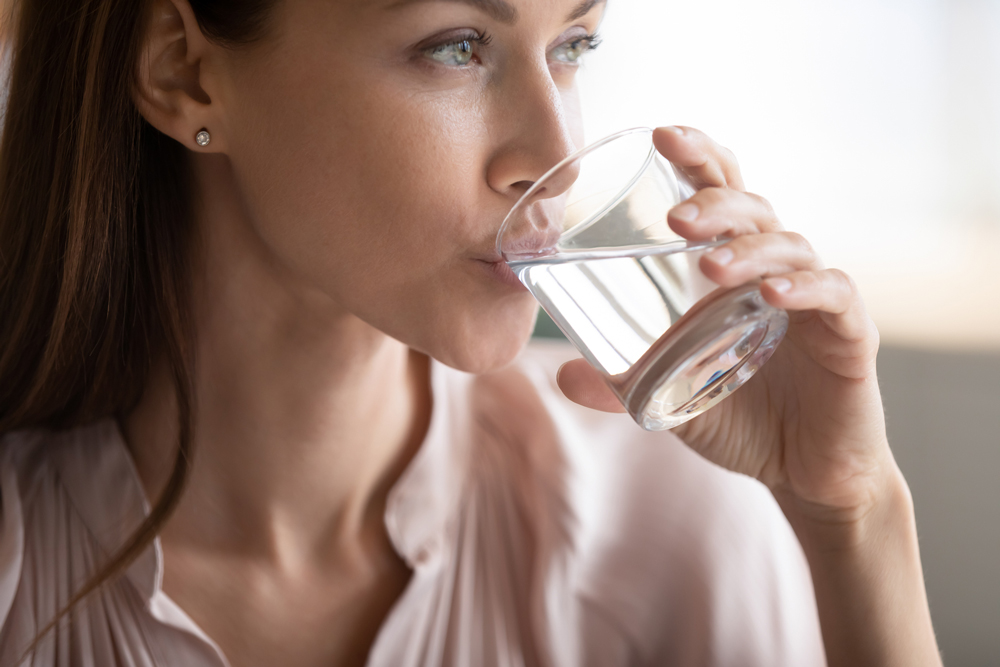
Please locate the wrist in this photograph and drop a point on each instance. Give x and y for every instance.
(867, 576)
(882, 515)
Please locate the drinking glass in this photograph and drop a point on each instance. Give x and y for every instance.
(590, 241)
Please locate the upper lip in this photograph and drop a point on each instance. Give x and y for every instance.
(541, 234)
(532, 243)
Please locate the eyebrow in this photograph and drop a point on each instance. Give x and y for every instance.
(583, 9)
(498, 10)
(504, 12)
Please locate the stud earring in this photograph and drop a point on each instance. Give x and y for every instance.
(202, 138)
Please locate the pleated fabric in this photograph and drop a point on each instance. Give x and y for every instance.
(539, 534)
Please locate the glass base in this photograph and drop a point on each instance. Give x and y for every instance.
(704, 357)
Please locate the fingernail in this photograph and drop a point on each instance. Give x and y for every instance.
(780, 285)
(720, 256)
(676, 130)
(685, 212)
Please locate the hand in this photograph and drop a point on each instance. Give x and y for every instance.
(809, 424)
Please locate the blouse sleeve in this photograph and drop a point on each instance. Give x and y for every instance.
(11, 531)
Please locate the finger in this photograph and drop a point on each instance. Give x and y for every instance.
(701, 159)
(831, 292)
(583, 384)
(746, 258)
(712, 212)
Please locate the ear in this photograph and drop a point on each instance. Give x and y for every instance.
(172, 87)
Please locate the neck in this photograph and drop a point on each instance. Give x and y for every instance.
(304, 417)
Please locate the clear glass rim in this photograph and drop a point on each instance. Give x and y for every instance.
(561, 164)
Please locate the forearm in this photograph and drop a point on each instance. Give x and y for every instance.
(868, 580)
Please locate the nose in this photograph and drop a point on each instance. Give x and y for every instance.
(540, 126)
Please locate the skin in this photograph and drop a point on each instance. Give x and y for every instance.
(346, 212)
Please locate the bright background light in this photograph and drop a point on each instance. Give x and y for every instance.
(873, 127)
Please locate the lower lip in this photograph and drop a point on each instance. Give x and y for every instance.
(501, 272)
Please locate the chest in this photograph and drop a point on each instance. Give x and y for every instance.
(260, 616)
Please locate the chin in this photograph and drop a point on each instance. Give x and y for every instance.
(481, 345)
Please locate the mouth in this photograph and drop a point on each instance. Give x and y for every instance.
(500, 272)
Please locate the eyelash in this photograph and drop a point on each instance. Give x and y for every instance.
(593, 40)
(484, 39)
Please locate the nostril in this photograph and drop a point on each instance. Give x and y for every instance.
(521, 187)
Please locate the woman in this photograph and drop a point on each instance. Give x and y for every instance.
(234, 236)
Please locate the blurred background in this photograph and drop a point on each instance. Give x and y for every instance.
(873, 127)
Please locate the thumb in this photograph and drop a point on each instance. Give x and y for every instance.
(583, 384)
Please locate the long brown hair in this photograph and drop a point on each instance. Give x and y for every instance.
(95, 230)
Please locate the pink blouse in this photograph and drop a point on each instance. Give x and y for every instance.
(539, 533)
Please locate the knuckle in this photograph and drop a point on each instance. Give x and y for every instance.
(875, 336)
(728, 157)
(800, 242)
(710, 196)
(764, 212)
(731, 168)
(845, 288)
(764, 204)
(845, 281)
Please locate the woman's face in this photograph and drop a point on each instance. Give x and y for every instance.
(379, 144)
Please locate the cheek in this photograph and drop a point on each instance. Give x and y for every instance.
(380, 201)
(351, 167)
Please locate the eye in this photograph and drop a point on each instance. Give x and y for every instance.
(570, 52)
(459, 52)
